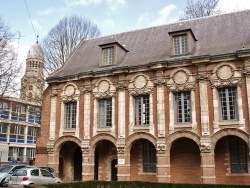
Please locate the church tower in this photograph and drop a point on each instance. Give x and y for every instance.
(32, 83)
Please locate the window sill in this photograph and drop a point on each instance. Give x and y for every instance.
(238, 174)
(225, 123)
(147, 173)
(103, 129)
(69, 130)
(184, 125)
(141, 127)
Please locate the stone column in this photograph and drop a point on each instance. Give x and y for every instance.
(123, 163)
(163, 163)
(207, 162)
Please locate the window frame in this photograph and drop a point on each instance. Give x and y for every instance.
(183, 115)
(17, 133)
(108, 55)
(142, 117)
(70, 115)
(228, 111)
(180, 44)
(4, 109)
(238, 152)
(149, 157)
(104, 116)
(31, 135)
(34, 115)
(3, 132)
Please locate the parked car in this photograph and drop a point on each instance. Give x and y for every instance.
(28, 176)
(51, 170)
(6, 171)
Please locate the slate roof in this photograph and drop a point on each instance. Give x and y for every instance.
(220, 34)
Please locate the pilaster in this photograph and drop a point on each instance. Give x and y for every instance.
(163, 162)
(207, 162)
(123, 162)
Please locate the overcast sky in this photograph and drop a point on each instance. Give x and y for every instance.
(111, 16)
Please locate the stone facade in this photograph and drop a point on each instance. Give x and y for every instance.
(192, 140)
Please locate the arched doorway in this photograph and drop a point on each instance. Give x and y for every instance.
(70, 162)
(105, 161)
(143, 161)
(185, 161)
(231, 159)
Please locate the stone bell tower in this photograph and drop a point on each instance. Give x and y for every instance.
(33, 83)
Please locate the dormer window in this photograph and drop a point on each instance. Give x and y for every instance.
(108, 56)
(180, 44)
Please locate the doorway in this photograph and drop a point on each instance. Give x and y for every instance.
(114, 170)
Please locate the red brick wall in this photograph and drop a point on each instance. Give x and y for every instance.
(185, 162)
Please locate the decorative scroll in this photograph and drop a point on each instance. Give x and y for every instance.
(161, 148)
(225, 74)
(205, 147)
(181, 80)
(140, 85)
(70, 93)
(104, 89)
(120, 148)
(85, 149)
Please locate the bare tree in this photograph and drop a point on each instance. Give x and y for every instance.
(200, 8)
(9, 68)
(63, 38)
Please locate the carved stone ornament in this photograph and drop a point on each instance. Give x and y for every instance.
(224, 72)
(70, 90)
(104, 89)
(161, 148)
(225, 75)
(53, 93)
(180, 77)
(50, 149)
(181, 80)
(70, 93)
(85, 149)
(103, 86)
(140, 85)
(140, 81)
(87, 89)
(121, 148)
(205, 147)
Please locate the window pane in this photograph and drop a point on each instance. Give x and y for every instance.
(180, 44)
(149, 157)
(3, 132)
(182, 107)
(141, 106)
(228, 103)
(238, 156)
(108, 56)
(105, 113)
(70, 115)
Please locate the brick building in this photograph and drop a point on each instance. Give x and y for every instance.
(20, 117)
(166, 104)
